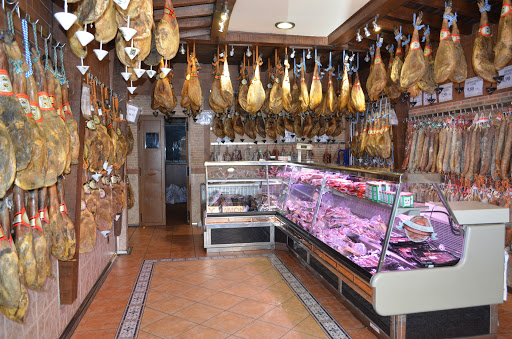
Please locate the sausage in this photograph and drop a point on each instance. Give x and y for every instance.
(487, 151)
(447, 149)
(500, 142)
(436, 151)
(471, 154)
(433, 135)
(410, 165)
(478, 151)
(410, 132)
(453, 149)
(424, 152)
(467, 148)
(458, 150)
(494, 157)
(419, 149)
(440, 156)
(505, 161)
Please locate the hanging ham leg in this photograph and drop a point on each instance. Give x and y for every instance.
(168, 36)
(446, 56)
(460, 73)
(483, 52)
(414, 67)
(68, 227)
(503, 48)
(41, 249)
(256, 93)
(71, 123)
(315, 95)
(10, 287)
(304, 95)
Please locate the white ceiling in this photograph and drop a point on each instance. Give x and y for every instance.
(311, 18)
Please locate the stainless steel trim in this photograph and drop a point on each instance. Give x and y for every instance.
(389, 228)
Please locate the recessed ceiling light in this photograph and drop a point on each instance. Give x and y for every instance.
(285, 25)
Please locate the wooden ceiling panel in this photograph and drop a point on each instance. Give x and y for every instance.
(160, 4)
(198, 22)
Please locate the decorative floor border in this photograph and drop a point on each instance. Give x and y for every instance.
(132, 317)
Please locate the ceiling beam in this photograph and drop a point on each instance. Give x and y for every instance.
(160, 4)
(187, 12)
(198, 22)
(194, 33)
(276, 39)
(463, 7)
(347, 31)
(407, 29)
(216, 35)
(406, 14)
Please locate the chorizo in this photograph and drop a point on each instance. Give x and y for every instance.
(419, 149)
(410, 165)
(433, 135)
(487, 151)
(440, 156)
(471, 154)
(453, 150)
(505, 161)
(467, 148)
(447, 149)
(436, 151)
(424, 152)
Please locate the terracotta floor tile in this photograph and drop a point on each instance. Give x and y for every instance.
(294, 304)
(197, 293)
(171, 304)
(259, 329)
(228, 322)
(272, 297)
(96, 334)
(172, 287)
(251, 308)
(283, 317)
(505, 321)
(107, 305)
(169, 327)
(218, 284)
(361, 333)
(155, 296)
(146, 335)
(292, 334)
(150, 316)
(100, 321)
(347, 320)
(311, 327)
(234, 275)
(198, 313)
(222, 300)
(202, 332)
(194, 278)
(243, 290)
(262, 281)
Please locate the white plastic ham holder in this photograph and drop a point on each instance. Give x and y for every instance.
(139, 71)
(84, 37)
(128, 32)
(151, 73)
(65, 19)
(100, 53)
(126, 75)
(131, 89)
(82, 68)
(131, 51)
(418, 228)
(122, 3)
(165, 70)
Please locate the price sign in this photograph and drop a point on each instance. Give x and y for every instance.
(233, 209)
(429, 98)
(473, 87)
(323, 138)
(132, 112)
(418, 100)
(447, 92)
(507, 80)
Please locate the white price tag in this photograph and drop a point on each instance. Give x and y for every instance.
(447, 92)
(473, 87)
(323, 138)
(132, 112)
(507, 80)
(118, 216)
(100, 112)
(85, 100)
(429, 97)
(227, 140)
(417, 99)
(121, 116)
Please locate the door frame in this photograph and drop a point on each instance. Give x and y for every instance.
(141, 142)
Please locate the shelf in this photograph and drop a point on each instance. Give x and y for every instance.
(240, 180)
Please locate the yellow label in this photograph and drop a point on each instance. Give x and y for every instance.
(23, 99)
(44, 101)
(5, 83)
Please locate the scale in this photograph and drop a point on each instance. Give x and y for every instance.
(304, 147)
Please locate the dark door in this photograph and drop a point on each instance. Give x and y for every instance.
(152, 171)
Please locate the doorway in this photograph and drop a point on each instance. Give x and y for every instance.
(176, 170)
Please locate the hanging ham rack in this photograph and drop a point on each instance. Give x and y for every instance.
(500, 106)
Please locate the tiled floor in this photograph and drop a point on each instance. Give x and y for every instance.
(207, 302)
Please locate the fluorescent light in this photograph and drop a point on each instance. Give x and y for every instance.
(285, 25)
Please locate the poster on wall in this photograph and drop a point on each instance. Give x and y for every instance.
(507, 77)
(429, 99)
(447, 92)
(416, 101)
(132, 112)
(473, 87)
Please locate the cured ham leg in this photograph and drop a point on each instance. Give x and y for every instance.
(315, 95)
(67, 224)
(483, 47)
(41, 248)
(446, 56)
(378, 79)
(414, 66)
(427, 83)
(10, 287)
(168, 36)
(304, 95)
(503, 48)
(256, 93)
(460, 73)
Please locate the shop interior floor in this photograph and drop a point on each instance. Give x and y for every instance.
(105, 313)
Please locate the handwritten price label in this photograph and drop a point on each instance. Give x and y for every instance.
(473, 87)
(429, 98)
(447, 92)
(507, 80)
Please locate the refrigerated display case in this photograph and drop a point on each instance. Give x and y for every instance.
(398, 263)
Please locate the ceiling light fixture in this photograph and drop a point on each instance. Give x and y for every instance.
(224, 16)
(285, 25)
(366, 31)
(309, 55)
(232, 52)
(248, 52)
(221, 26)
(182, 49)
(367, 57)
(359, 37)
(293, 53)
(376, 27)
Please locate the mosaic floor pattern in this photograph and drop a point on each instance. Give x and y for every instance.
(245, 296)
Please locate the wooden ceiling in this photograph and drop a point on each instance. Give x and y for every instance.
(198, 22)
